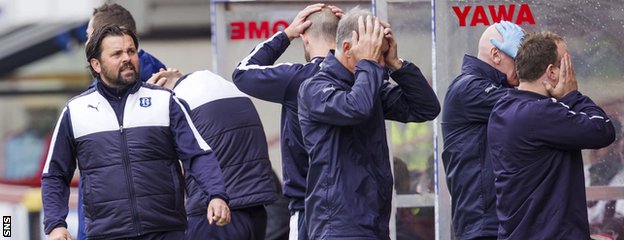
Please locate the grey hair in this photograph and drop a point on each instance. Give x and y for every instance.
(349, 23)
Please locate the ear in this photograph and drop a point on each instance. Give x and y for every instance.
(95, 64)
(495, 55)
(346, 48)
(551, 72)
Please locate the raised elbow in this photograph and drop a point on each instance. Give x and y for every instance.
(237, 76)
(431, 111)
(609, 138)
(604, 137)
(435, 110)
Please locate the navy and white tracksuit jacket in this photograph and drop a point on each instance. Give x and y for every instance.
(257, 76)
(148, 66)
(228, 121)
(126, 144)
(342, 119)
(467, 106)
(535, 147)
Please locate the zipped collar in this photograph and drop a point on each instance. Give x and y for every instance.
(475, 66)
(336, 70)
(113, 94)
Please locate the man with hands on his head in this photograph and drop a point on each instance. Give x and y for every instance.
(342, 111)
(469, 100)
(259, 76)
(535, 137)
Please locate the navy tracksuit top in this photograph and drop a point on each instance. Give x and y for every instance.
(228, 121)
(535, 147)
(467, 106)
(342, 115)
(257, 76)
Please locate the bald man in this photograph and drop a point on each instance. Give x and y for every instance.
(469, 100)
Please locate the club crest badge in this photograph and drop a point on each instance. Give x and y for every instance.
(145, 102)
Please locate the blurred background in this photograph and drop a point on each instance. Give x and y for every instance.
(42, 65)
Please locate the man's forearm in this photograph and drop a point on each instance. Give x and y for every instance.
(206, 171)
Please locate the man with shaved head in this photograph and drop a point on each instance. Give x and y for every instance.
(259, 76)
(469, 100)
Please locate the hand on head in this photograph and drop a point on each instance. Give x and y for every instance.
(391, 57)
(336, 10)
(367, 42)
(300, 24)
(567, 79)
(512, 37)
(163, 77)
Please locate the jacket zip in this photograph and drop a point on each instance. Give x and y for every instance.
(126, 161)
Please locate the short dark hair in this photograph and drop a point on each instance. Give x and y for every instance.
(94, 48)
(536, 52)
(115, 14)
(324, 24)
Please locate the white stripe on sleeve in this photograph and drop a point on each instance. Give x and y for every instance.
(53, 141)
(202, 144)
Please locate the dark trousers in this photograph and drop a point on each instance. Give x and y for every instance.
(247, 223)
(160, 236)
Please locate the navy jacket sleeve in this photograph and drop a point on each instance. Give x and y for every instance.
(256, 75)
(329, 104)
(575, 122)
(412, 100)
(148, 65)
(57, 174)
(479, 97)
(198, 159)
